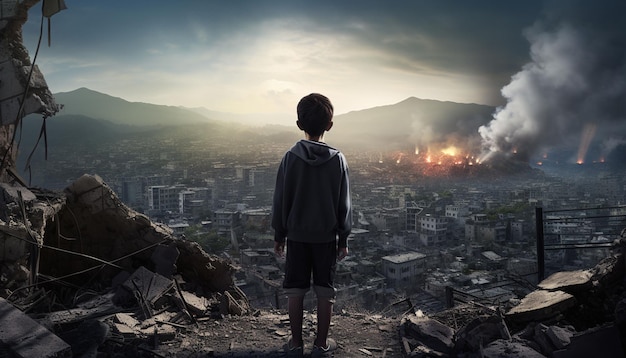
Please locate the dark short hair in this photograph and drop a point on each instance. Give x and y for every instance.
(314, 113)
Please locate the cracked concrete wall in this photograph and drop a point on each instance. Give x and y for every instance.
(23, 89)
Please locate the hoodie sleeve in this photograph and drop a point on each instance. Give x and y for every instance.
(280, 232)
(344, 219)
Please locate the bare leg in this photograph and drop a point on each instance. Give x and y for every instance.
(296, 307)
(324, 313)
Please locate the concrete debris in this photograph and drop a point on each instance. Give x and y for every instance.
(198, 306)
(83, 260)
(559, 336)
(567, 281)
(147, 287)
(24, 337)
(540, 305)
(23, 90)
(423, 331)
(480, 332)
(570, 314)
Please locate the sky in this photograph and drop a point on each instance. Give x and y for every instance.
(554, 70)
(263, 56)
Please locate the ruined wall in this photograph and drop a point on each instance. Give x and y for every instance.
(23, 89)
(96, 223)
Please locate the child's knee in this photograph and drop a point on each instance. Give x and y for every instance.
(296, 292)
(325, 293)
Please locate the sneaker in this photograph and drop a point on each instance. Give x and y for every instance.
(325, 352)
(294, 351)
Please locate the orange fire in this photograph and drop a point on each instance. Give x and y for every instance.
(437, 159)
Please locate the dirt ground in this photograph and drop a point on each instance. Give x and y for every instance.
(263, 334)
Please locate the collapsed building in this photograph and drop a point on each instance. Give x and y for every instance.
(58, 249)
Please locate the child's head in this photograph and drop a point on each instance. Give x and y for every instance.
(315, 114)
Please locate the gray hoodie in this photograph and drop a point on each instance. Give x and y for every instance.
(312, 195)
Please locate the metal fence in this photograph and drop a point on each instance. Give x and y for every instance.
(575, 238)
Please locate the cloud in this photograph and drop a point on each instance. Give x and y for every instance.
(366, 53)
(577, 79)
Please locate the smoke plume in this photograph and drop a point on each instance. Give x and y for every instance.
(576, 80)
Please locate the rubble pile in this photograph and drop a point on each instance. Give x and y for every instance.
(69, 258)
(570, 314)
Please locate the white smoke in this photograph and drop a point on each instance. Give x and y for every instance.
(576, 79)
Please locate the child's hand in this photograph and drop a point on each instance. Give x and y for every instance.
(279, 248)
(342, 252)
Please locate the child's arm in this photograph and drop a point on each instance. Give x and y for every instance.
(277, 207)
(344, 218)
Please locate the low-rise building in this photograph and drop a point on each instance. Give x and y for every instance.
(403, 269)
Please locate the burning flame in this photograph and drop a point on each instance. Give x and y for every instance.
(436, 159)
(451, 151)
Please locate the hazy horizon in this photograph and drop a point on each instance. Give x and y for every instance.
(554, 69)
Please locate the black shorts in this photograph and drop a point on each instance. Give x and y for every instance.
(304, 258)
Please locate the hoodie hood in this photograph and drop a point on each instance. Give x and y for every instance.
(314, 153)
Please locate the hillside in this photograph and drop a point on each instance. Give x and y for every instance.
(90, 116)
(98, 105)
(412, 122)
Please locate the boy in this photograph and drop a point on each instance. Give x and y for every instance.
(312, 214)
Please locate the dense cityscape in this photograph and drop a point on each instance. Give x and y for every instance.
(419, 225)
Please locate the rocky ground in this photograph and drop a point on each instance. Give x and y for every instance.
(264, 333)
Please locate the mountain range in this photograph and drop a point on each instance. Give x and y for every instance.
(91, 115)
(91, 119)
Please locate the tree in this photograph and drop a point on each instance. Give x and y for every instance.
(210, 241)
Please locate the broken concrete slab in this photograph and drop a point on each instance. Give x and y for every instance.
(610, 270)
(11, 194)
(126, 319)
(160, 332)
(559, 336)
(480, 332)
(540, 305)
(79, 314)
(568, 281)
(196, 305)
(150, 286)
(228, 304)
(24, 337)
(542, 340)
(429, 332)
